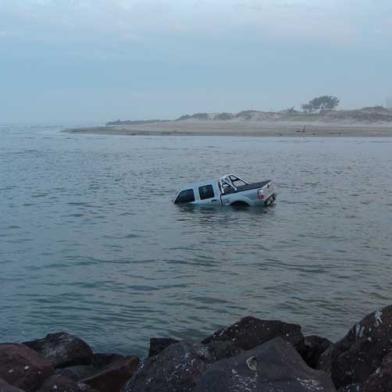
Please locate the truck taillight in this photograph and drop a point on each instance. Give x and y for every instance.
(260, 194)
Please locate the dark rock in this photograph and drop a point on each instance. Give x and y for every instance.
(159, 344)
(220, 350)
(311, 349)
(272, 367)
(77, 373)
(99, 361)
(22, 367)
(175, 369)
(250, 332)
(58, 383)
(381, 379)
(62, 349)
(351, 388)
(5, 387)
(113, 378)
(354, 358)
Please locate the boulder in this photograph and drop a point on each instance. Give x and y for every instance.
(5, 387)
(250, 332)
(272, 367)
(58, 383)
(22, 367)
(175, 369)
(113, 377)
(351, 388)
(354, 358)
(62, 349)
(159, 344)
(381, 379)
(311, 348)
(99, 361)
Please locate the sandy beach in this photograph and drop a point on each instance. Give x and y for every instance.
(244, 128)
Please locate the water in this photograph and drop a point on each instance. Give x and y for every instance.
(91, 243)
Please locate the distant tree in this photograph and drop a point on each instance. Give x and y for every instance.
(325, 102)
(307, 108)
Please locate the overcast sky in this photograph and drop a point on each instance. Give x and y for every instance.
(99, 60)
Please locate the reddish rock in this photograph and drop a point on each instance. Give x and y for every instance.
(99, 362)
(62, 349)
(5, 387)
(22, 367)
(250, 332)
(381, 379)
(358, 355)
(113, 378)
(58, 383)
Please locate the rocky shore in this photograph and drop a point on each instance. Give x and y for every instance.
(251, 355)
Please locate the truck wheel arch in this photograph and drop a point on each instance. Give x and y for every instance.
(240, 203)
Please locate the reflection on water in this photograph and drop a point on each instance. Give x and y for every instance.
(91, 243)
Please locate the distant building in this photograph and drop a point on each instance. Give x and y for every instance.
(389, 102)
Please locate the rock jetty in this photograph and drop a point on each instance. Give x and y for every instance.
(251, 355)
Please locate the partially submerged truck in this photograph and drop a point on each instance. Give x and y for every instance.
(229, 190)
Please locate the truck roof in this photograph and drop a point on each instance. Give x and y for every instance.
(199, 183)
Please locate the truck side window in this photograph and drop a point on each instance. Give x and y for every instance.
(206, 192)
(186, 196)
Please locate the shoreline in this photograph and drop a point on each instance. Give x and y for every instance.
(243, 128)
(247, 356)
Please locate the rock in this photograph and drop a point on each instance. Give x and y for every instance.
(354, 358)
(113, 378)
(175, 369)
(381, 379)
(274, 366)
(77, 373)
(5, 387)
(250, 332)
(58, 383)
(62, 349)
(351, 388)
(99, 361)
(311, 349)
(159, 344)
(22, 367)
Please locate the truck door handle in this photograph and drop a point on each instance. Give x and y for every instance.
(214, 200)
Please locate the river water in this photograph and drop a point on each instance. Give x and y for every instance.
(91, 243)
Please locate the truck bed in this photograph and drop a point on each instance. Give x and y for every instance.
(248, 187)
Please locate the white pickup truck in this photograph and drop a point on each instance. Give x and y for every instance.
(229, 190)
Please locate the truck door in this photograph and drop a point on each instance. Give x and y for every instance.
(208, 195)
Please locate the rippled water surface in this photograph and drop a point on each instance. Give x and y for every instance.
(91, 243)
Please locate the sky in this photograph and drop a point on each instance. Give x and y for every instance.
(101, 60)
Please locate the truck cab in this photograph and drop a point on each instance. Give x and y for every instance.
(227, 190)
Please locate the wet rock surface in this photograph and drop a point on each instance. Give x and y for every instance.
(354, 358)
(274, 366)
(113, 377)
(311, 348)
(250, 332)
(5, 387)
(159, 344)
(58, 383)
(62, 349)
(175, 369)
(22, 367)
